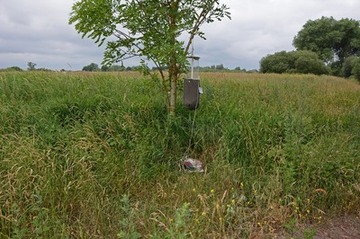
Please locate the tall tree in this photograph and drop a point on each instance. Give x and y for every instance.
(151, 29)
(333, 40)
(31, 66)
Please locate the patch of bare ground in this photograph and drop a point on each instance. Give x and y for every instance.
(344, 227)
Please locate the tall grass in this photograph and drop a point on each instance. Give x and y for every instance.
(95, 155)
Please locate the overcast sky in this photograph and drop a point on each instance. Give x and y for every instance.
(37, 31)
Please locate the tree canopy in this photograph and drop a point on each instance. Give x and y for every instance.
(152, 29)
(333, 40)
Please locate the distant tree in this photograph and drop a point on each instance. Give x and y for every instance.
(91, 67)
(105, 68)
(348, 66)
(43, 69)
(307, 62)
(13, 68)
(152, 29)
(356, 69)
(276, 63)
(293, 62)
(117, 68)
(220, 67)
(31, 66)
(333, 40)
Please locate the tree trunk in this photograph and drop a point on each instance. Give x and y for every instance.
(173, 68)
(172, 105)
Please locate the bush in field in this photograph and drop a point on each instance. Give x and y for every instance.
(113, 68)
(346, 70)
(276, 63)
(91, 67)
(351, 67)
(356, 69)
(12, 68)
(293, 62)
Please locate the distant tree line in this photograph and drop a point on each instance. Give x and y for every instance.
(12, 68)
(31, 67)
(95, 67)
(323, 46)
(215, 68)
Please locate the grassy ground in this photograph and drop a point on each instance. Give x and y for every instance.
(95, 156)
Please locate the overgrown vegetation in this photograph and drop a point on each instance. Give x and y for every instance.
(323, 46)
(94, 155)
(293, 62)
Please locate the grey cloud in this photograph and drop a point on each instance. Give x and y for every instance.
(38, 31)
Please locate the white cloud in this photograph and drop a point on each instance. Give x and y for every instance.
(38, 31)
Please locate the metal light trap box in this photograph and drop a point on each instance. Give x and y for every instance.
(192, 89)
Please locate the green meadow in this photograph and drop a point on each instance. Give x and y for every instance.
(95, 155)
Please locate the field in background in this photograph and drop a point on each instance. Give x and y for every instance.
(94, 155)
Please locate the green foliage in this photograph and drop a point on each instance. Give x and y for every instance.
(293, 62)
(91, 67)
(333, 40)
(128, 227)
(142, 35)
(12, 68)
(115, 68)
(276, 63)
(148, 29)
(356, 69)
(31, 66)
(307, 65)
(348, 66)
(277, 148)
(351, 67)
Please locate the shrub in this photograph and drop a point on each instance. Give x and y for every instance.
(12, 68)
(310, 65)
(346, 70)
(356, 69)
(276, 63)
(293, 62)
